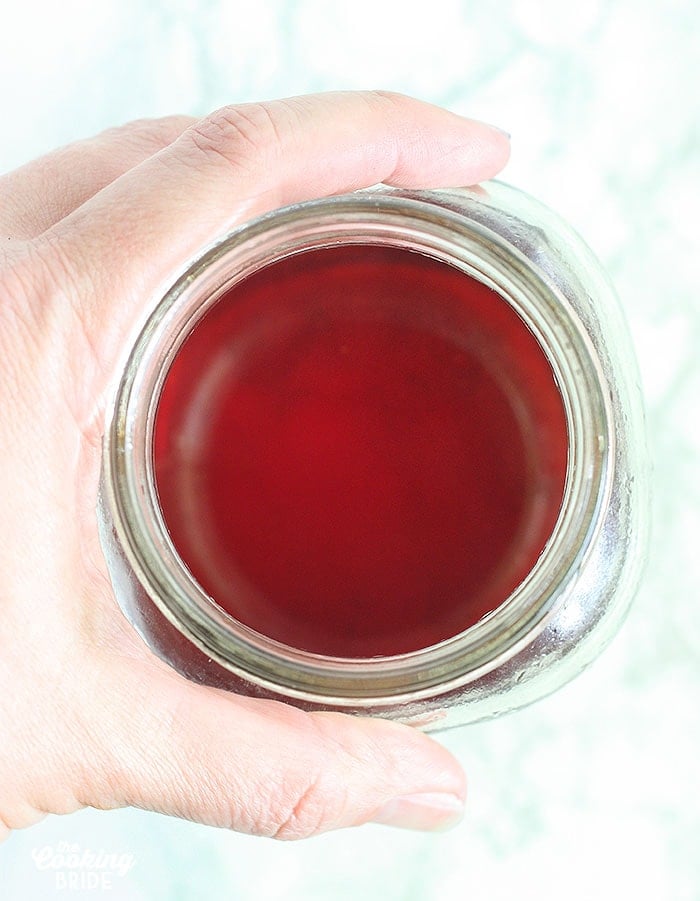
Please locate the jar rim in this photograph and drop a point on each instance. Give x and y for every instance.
(414, 221)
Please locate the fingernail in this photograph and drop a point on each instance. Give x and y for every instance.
(501, 131)
(430, 812)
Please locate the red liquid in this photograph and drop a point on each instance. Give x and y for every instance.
(360, 451)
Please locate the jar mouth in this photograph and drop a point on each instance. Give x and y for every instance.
(413, 223)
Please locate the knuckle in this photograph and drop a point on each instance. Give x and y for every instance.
(391, 102)
(123, 146)
(244, 136)
(154, 133)
(306, 813)
(392, 97)
(317, 795)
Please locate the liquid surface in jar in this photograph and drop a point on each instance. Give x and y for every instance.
(360, 451)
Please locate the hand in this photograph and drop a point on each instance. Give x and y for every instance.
(88, 715)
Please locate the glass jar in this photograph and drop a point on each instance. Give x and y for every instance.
(573, 599)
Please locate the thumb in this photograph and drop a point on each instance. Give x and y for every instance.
(265, 768)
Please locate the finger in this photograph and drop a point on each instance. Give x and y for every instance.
(266, 768)
(245, 160)
(41, 193)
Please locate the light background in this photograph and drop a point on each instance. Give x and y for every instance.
(593, 793)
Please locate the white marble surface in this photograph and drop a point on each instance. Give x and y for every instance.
(595, 792)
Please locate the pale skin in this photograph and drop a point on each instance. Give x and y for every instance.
(88, 234)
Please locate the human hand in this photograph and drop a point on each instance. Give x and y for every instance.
(88, 715)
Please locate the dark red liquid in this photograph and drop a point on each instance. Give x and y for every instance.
(360, 451)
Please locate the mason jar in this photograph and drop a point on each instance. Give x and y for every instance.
(381, 453)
